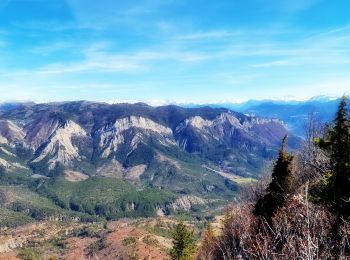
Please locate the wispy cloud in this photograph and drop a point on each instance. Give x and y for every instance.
(99, 56)
(49, 48)
(54, 26)
(96, 60)
(94, 65)
(331, 32)
(273, 64)
(328, 47)
(208, 35)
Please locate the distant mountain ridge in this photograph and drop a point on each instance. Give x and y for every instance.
(294, 114)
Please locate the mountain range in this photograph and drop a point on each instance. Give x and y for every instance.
(133, 159)
(294, 114)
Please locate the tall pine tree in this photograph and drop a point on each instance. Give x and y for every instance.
(183, 243)
(279, 187)
(337, 143)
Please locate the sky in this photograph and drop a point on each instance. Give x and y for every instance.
(180, 51)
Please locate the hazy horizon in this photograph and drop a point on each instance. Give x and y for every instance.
(186, 103)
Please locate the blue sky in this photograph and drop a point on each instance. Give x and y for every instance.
(160, 51)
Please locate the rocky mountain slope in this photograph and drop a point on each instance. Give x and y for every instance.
(179, 152)
(295, 114)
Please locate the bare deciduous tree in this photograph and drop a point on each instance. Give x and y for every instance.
(311, 162)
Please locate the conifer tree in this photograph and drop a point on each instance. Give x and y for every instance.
(279, 187)
(183, 243)
(337, 143)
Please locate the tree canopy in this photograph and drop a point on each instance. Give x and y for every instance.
(336, 142)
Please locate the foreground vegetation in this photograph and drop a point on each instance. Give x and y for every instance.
(304, 211)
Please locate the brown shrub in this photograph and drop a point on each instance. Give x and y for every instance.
(208, 242)
(299, 230)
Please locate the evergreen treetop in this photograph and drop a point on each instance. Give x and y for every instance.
(183, 243)
(337, 143)
(279, 187)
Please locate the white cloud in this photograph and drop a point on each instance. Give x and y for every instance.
(96, 65)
